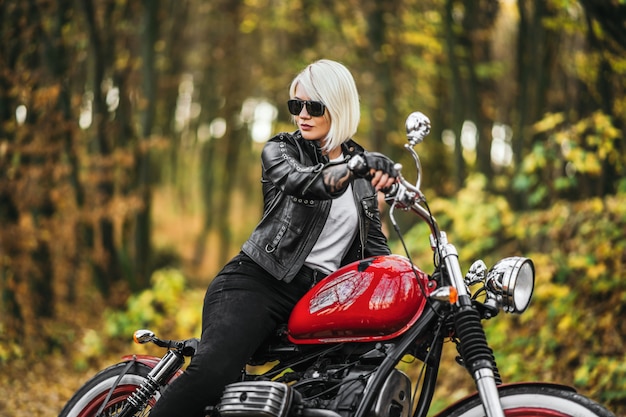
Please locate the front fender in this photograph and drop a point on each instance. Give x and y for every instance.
(151, 362)
(501, 389)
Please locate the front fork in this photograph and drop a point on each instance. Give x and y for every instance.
(478, 358)
(171, 362)
(477, 355)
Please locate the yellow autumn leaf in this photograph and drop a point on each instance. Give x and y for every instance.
(549, 122)
(577, 261)
(596, 271)
(565, 324)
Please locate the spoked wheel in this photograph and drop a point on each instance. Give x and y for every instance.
(533, 401)
(89, 398)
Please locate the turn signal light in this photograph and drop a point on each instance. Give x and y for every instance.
(449, 294)
(453, 296)
(143, 336)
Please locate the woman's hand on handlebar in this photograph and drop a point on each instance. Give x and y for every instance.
(381, 180)
(376, 167)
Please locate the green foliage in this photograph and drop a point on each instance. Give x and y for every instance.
(168, 307)
(574, 158)
(574, 324)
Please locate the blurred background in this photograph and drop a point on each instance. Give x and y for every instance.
(130, 135)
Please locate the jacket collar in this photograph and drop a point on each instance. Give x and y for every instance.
(350, 147)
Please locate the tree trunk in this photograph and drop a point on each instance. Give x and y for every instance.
(106, 264)
(477, 22)
(142, 244)
(457, 95)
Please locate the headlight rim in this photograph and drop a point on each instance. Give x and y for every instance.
(504, 280)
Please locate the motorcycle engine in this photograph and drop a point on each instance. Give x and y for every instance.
(316, 393)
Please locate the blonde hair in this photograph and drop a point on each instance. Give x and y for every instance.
(332, 83)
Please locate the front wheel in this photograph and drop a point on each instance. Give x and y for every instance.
(533, 401)
(89, 398)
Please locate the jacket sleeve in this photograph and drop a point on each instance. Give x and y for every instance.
(376, 241)
(282, 166)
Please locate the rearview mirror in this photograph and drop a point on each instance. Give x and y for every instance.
(417, 127)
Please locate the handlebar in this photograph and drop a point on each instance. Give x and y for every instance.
(186, 347)
(406, 195)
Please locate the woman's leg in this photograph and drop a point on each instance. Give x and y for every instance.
(242, 307)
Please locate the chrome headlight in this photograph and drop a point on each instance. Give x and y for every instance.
(512, 281)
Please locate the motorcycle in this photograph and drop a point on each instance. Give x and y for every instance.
(338, 354)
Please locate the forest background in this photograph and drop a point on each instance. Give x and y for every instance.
(130, 134)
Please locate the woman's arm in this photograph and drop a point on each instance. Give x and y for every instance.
(282, 166)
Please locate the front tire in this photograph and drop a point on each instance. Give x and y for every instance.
(533, 401)
(89, 398)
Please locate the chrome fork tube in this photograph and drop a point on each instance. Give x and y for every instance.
(451, 260)
(476, 353)
(170, 363)
(488, 391)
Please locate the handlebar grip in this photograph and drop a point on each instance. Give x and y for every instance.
(363, 164)
(358, 165)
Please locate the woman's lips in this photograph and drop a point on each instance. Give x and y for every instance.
(304, 126)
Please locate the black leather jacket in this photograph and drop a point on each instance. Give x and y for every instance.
(297, 203)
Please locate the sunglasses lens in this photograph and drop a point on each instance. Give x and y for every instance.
(295, 106)
(314, 108)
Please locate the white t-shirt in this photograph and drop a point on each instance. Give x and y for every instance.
(337, 235)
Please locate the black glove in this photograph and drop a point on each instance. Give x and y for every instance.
(361, 164)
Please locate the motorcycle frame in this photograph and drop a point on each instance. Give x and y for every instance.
(393, 355)
(400, 346)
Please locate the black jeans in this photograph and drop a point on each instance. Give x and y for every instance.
(242, 307)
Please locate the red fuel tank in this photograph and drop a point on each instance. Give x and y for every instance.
(374, 299)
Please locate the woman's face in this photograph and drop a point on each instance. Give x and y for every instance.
(311, 127)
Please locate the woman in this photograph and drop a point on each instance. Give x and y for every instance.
(318, 215)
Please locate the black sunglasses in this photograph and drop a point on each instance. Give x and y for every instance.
(314, 108)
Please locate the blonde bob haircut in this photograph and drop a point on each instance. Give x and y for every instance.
(332, 83)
